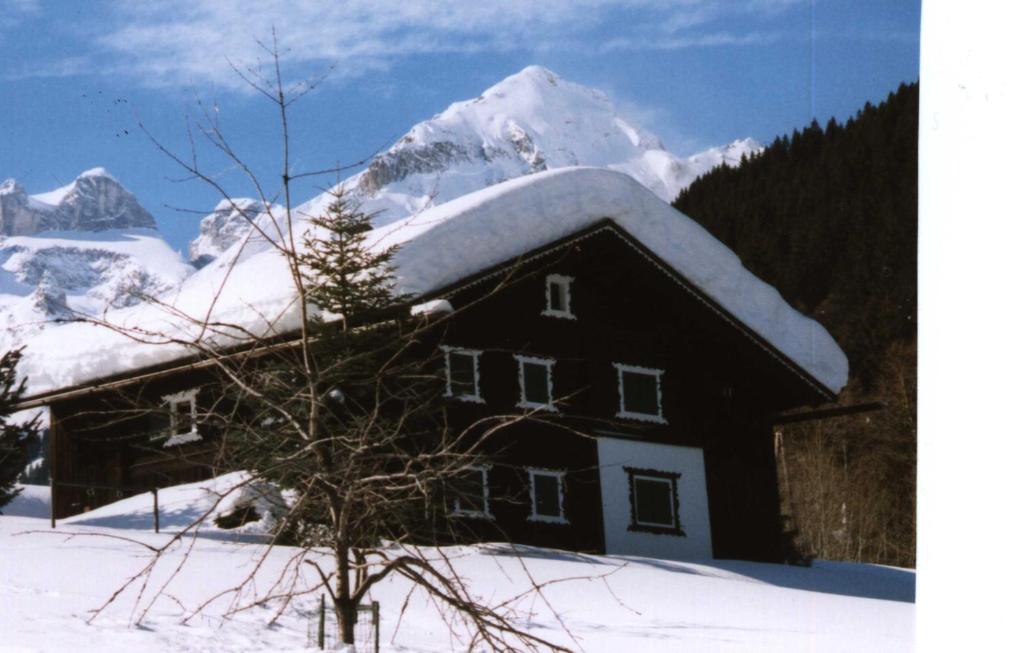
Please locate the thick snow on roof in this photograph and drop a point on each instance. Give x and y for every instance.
(471, 233)
(438, 247)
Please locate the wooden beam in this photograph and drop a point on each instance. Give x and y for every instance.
(827, 413)
(54, 425)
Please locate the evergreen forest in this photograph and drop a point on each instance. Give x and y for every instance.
(829, 217)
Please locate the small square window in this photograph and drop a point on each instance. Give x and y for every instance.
(469, 495)
(654, 501)
(547, 496)
(640, 393)
(462, 372)
(535, 382)
(558, 298)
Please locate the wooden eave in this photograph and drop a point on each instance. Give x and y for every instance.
(796, 417)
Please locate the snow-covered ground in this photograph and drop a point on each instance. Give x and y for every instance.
(49, 583)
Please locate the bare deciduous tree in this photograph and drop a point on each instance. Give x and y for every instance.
(339, 412)
(849, 482)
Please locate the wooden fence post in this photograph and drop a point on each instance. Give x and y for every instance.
(320, 629)
(156, 511)
(376, 626)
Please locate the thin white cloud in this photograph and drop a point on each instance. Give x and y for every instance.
(63, 67)
(13, 12)
(20, 7)
(193, 43)
(696, 41)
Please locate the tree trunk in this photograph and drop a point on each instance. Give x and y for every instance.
(347, 615)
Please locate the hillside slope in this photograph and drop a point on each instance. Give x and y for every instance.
(829, 217)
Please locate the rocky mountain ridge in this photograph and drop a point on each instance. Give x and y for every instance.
(94, 201)
(75, 251)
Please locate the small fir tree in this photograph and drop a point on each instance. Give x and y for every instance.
(343, 275)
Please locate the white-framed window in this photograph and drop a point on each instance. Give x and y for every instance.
(183, 418)
(462, 373)
(558, 297)
(469, 494)
(536, 382)
(640, 393)
(547, 496)
(654, 501)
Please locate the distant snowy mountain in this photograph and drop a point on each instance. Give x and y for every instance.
(228, 223)
(94, 201)
(80, 249)
(529, 122)
(89, 246)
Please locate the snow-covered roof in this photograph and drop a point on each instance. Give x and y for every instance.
(441, 246)
(449, 242)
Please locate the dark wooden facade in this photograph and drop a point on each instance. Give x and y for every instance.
(721, 387)
(110, 444)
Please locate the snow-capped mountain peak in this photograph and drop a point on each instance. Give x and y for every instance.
(229, 222)
(98, 171)
(94, 201)
(531, 121)
(77, 250)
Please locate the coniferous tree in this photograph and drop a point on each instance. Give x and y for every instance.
(344, 276)
(829, 217)
(14, 438)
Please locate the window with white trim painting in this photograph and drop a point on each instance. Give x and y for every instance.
(654, 501)
(640, 393)
(469, 493)
(547, 496)
(558, 297)
(183, 418)
(462, 373)
(536, 382)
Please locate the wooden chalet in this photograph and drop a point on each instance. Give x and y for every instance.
(676, 397)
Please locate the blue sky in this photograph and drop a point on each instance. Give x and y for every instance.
(76, 78)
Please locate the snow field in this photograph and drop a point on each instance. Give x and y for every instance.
(50, 582)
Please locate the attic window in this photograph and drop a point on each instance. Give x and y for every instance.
(640, 393)
(536, 386)
(462, 371)
(183, 417)
(558, 297)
